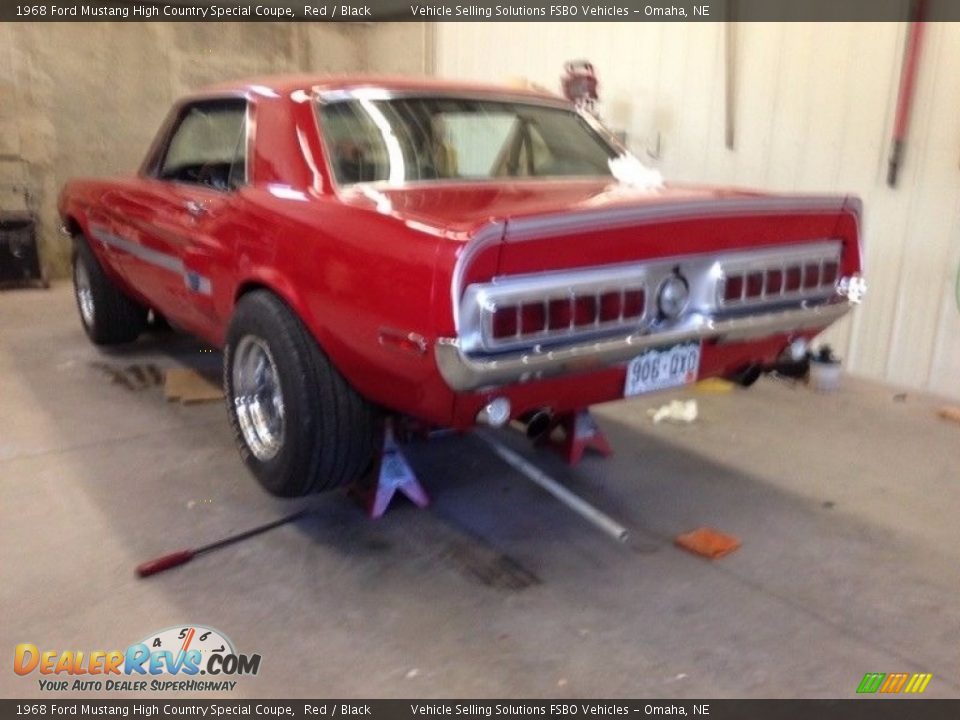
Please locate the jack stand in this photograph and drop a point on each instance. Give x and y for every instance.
(580, 432)
(390, 473)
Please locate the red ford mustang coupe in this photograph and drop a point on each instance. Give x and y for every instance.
(454, 253)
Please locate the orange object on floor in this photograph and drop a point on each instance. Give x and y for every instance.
(708, 543)
(950, 413)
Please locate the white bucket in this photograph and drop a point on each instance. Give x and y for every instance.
(825, 376)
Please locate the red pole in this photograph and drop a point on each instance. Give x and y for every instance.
(908, 81)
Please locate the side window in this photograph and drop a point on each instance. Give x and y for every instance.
(208, 146)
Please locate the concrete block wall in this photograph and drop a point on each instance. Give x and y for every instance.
(87, 98)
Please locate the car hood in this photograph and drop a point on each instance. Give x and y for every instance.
(458, 208)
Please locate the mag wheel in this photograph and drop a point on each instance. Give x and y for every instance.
(108, 316)
(258, 399)
(300, 427)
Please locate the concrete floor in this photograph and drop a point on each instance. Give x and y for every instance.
(847, 506)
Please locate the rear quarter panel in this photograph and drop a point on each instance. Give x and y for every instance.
(353, 276)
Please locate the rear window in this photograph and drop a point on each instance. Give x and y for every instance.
(417, 139)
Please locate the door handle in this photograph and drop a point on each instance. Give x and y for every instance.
(195, 208)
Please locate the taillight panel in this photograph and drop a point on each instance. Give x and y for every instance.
(553, 308)
(577, 311)
(797, 275)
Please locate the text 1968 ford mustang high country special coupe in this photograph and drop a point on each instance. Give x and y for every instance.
(453, 253)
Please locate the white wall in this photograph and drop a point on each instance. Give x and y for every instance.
(399, 48)
(814, 111)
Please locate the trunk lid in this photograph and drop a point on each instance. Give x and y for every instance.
(462, 207)
(618, 226)
(560, 224)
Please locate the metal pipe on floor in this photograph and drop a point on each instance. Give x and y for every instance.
(580, 506)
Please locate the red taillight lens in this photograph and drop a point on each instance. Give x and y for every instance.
(830, 272)
(505, 322)
(634, 303)
(533, 318)
(793, 279)
(584, 310)
(560, 314)
(811, 277)
(610, 304)
(754, 285)
(733, 288)
(774, 282)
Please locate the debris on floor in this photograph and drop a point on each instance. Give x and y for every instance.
(951, 413)
(708, 543)
(189, 386)
(479, 562)
(715, 385)
(131, 377)
(676, 411)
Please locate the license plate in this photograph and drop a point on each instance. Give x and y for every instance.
(662, 368)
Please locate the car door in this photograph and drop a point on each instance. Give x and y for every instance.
(186, 210)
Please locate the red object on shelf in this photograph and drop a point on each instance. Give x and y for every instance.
(391, 473)
(580, 84)
(580, 433)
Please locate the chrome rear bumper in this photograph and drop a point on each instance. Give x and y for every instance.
(464, 373)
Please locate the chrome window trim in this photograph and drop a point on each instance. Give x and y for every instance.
(375, 92)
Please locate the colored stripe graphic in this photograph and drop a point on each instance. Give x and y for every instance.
(871, 682)
(194, 281)
(918, 683)
(894, 683)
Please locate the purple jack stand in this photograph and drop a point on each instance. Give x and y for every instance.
(391, 472)
(580, 432)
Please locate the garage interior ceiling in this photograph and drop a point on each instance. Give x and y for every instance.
(815, 107)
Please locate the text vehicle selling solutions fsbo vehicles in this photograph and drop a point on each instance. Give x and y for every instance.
(453, 253)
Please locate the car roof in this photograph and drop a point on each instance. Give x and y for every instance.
(273, 85)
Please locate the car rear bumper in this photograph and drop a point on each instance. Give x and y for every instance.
(464, 373)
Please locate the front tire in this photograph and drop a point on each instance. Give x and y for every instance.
(108, 316)
(300, 427)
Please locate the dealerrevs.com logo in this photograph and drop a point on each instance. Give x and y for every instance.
(171, 660)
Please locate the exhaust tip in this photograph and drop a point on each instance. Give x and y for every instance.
(538, 423)
(495, 413)
(747, 375)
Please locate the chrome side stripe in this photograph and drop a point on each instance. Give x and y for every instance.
(194, 281)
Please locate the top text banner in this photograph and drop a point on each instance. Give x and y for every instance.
(475, 11)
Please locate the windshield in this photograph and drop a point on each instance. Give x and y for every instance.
(412, 139)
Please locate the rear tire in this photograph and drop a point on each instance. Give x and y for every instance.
(108, 316)
(299, 425)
